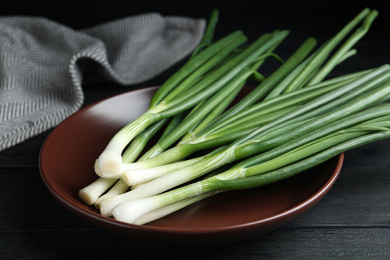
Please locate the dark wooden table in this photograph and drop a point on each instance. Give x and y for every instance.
(352, 221)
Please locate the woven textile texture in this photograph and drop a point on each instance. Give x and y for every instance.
(43, 63)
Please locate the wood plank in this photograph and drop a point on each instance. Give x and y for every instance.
(25, 154)
(371, 154)
(27, 204)
(358, 198)
(353, 243)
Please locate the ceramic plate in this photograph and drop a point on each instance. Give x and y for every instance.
(69, 152)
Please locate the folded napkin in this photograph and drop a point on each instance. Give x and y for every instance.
(43, 63)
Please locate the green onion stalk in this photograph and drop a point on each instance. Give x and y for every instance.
(90, 193)
(285, 68)
(250, 145)
(275, 137)
(232, 129)
(284, 72)
(141, 211)
(210, 108)
(110, 159)
(377, 118)
(129, 176)
(311, 65)
(295, 95)
(374, 121)
(313, 70)
(109, 162)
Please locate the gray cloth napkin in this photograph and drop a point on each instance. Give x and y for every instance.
(42, 64)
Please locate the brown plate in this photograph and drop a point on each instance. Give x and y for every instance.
(66, 164)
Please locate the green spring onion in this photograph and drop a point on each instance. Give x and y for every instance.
(292, 121)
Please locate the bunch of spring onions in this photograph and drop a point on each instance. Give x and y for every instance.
(293, 120)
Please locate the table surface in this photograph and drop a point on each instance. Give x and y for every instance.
(352, 220)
